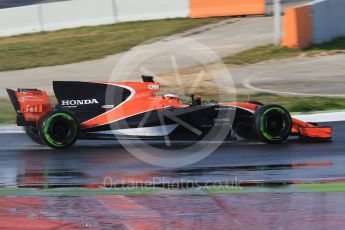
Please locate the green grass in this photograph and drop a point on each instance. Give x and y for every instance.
(337, 44)
(85, 43)
(298, 104)
(7, 113)
(271, 52)
(261, 54)
(325, 187)
(291, 103)
(201, 191)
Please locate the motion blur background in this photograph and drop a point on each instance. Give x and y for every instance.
(294, 185)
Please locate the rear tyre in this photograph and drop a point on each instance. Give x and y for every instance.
(272, 124)
(59, 129)
(33, 133)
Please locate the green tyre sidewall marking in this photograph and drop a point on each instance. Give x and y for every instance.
(262, 122)
(47, 124)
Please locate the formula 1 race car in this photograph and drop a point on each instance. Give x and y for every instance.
(132, 110)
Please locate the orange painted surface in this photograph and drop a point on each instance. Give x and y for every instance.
(33, 104)
(213, 8)
(143, 99)
(297, 27)
(317, 132)
(28, 213)
(308, 130)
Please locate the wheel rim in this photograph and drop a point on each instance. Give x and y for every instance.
(275, 124)
(60, 130)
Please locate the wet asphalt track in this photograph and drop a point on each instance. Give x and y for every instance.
(25, 164)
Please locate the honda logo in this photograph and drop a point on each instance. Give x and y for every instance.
(79, 102)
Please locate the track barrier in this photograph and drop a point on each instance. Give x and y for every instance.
(317, 22)
(77, 13)
(214, 8)
(297, 27)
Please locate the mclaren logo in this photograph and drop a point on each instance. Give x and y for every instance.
(79, 102)
(29, 99)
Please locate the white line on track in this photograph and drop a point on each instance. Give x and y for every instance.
(322, 117)
(11, 129)
(248, 84)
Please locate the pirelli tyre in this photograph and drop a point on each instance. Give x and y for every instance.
(272, 124)
(33, 134)
(59, 129)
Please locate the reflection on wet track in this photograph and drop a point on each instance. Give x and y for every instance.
(25, 164)
(251, 211)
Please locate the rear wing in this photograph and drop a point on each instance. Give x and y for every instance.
(30, 105)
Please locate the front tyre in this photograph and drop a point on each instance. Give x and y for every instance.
(59, 129)
(272, 124)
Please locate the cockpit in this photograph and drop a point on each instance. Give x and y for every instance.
(172, 99)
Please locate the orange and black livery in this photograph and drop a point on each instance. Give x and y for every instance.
(133, 110)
